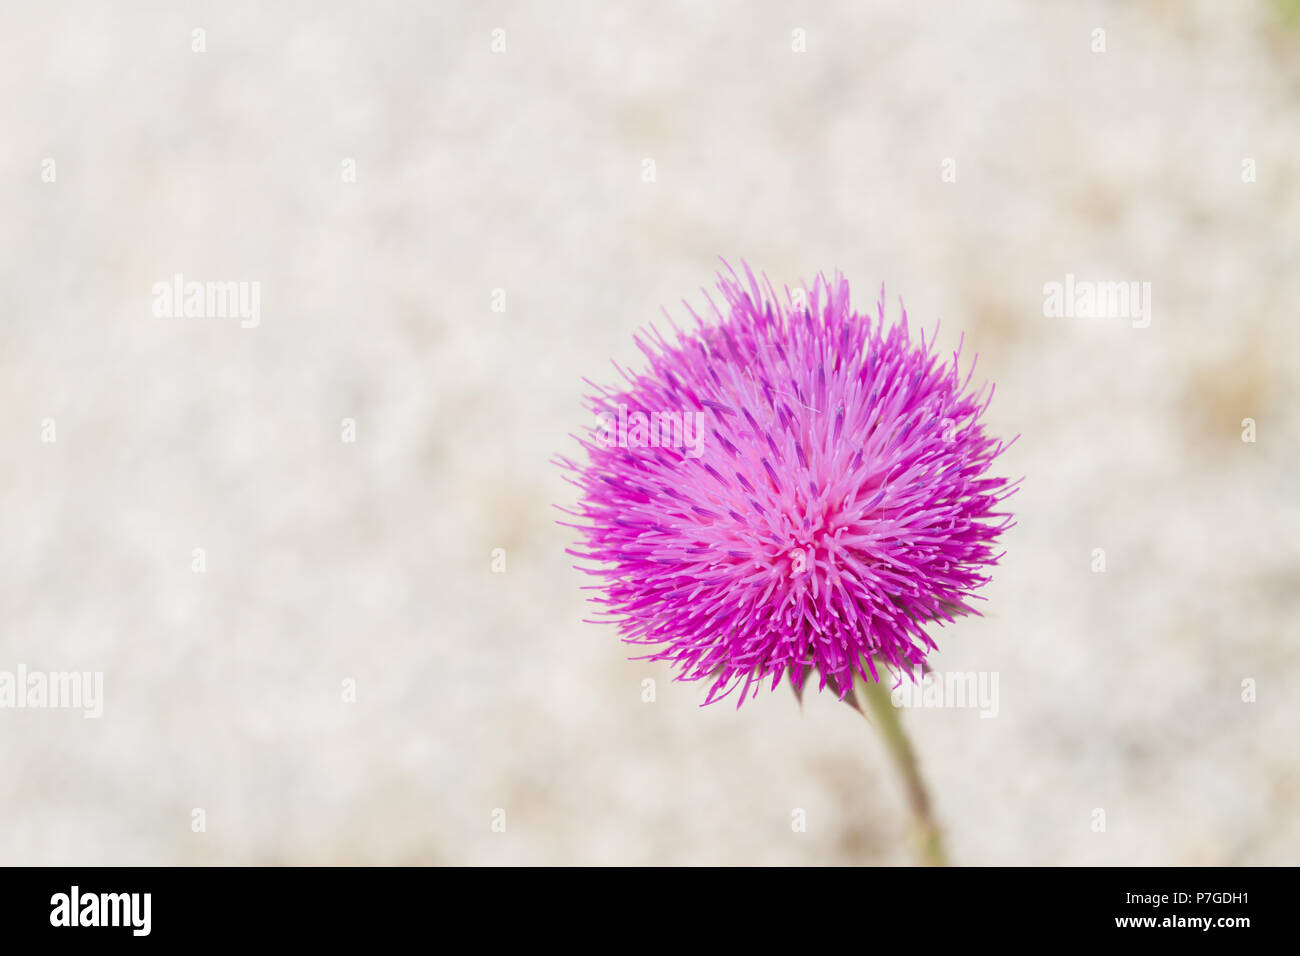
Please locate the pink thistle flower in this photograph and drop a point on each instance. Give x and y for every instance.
(791, 488)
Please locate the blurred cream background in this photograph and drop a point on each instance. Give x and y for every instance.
(522, 171)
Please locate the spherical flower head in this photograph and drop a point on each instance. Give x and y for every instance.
(789, 488)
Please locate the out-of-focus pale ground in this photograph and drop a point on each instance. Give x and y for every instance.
(522, 170)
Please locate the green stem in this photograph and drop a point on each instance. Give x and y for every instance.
(878, 703)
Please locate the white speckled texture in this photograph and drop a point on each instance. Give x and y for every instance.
(522, 171)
